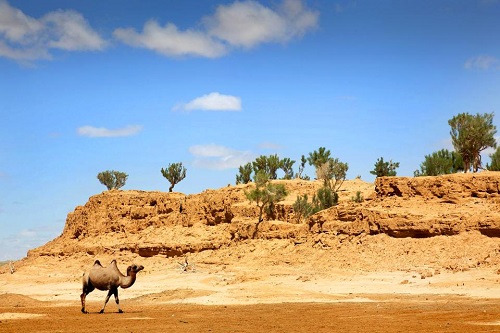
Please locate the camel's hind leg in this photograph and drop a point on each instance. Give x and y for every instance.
(82, 298)
(117, 300)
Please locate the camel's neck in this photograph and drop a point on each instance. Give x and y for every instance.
(128, 281)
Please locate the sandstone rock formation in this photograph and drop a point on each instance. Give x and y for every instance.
(173, 224)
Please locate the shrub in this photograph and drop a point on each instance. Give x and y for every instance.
(358, 198)
(325, 198)
(302, 207)
(113, 180)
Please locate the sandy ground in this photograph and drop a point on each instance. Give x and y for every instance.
(233, 296)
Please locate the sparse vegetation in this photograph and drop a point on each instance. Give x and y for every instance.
(113, 180)
(265, 193)
(174, 173)
(332, 172)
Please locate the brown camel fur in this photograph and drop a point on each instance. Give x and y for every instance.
(107, 278)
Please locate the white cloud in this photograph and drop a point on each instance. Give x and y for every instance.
(217, 157)
(240, 24)
(25, 38)
(70, 31)
(249, 23)
(483, 62)
(212, 102)
(100, 132)
(170, 41)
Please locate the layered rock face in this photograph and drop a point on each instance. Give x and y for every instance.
(151, 223)
(421, 207)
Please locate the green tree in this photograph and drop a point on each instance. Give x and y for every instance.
(265, 193)
(268, 164)
(287, 167)
(174, 173)
(319, 157)
(245, 174)
(113, 180)
(383, 169)
(470, 135)
(495, 161)
(273, 165)
(440, 162)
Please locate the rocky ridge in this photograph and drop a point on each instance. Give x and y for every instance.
(173, 224)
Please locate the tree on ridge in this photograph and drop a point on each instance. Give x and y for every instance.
(112, 179)
(174, 173)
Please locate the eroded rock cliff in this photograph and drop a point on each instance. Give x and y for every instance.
(151, 223)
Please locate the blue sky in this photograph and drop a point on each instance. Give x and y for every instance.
(88, 86)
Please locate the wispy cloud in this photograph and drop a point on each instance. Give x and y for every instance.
(101, 132)
(170, 41)
(211, 156)
(249, 23)
(240, 24)
(211, 102)
(483, 62)
(24, 38)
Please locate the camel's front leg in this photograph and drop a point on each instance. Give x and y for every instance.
(110, 292)
(117, 301)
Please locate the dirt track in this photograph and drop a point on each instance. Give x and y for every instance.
(403, 314)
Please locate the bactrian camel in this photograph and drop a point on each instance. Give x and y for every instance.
(107, 278)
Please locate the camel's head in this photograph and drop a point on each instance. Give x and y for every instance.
(134, 269)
